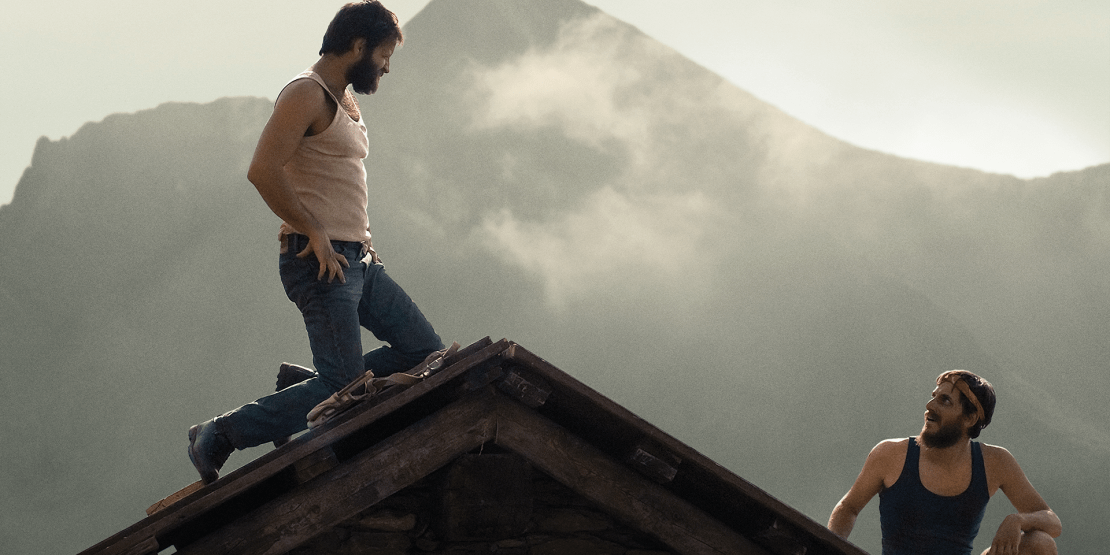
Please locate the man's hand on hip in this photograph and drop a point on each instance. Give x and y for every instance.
(331, 262)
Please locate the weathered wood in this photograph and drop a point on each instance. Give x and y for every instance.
(590, 425)
(144, 546)
(784, 540)
(597, 415)
(267, 466)
(485, 497)
(531, 391)
(355, 485)
(315, 464)
(700, 475)
(480, 376)
(654, 464)
(175, 497)
(614, 487)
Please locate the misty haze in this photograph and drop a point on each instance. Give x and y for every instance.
(775, 298)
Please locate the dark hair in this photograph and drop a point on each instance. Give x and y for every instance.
(984, 393)
(361, 20)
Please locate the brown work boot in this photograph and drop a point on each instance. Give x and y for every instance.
(209, 449)
(290, 374)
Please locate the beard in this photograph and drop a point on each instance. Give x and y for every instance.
(364, 75)
(947, 436)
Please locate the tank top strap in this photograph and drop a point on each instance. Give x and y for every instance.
(978, 469)
(913, 456)
(313, 76)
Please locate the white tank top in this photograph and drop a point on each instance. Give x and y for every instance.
(328, 175)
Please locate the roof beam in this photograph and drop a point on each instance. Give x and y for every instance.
(295, 517)
(613, 486)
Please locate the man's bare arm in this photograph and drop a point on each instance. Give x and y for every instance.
(871, 480)
(1033, 513)
(843, 517)
(299, 106)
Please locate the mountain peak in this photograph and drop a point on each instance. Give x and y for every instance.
(491, 30)
(543, 171)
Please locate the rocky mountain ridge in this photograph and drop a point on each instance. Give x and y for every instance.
(542, 172)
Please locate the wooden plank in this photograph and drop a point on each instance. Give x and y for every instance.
(782, 539)
(696, 467)
(315, 464)
(297, 516)
(530, 391)
(146, 546)
(696, 475)
(175, 497)
(653, 464)
(614, 487)
(265, 467)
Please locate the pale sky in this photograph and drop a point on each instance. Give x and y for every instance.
(1017, 86)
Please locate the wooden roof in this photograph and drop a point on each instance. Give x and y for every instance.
(492, 393)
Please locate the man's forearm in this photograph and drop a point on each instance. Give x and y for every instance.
(1046, 521)
(842, 520)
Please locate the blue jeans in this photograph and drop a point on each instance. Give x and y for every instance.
(333, 313)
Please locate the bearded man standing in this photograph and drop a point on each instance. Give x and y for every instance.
(308, 167)
(933, 489)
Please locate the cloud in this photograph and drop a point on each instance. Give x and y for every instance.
(604, 84)
(577, 84)
(637, 232)
(613, 242)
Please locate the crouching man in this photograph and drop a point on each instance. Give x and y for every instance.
(933, 489)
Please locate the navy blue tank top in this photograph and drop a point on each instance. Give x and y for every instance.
(916, 521)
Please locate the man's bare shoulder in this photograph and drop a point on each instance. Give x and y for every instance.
(994, 450)
(884, 463)
(894, 447)
(1003, 471)
(303, 108)
(301, 93)
(998, 458)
